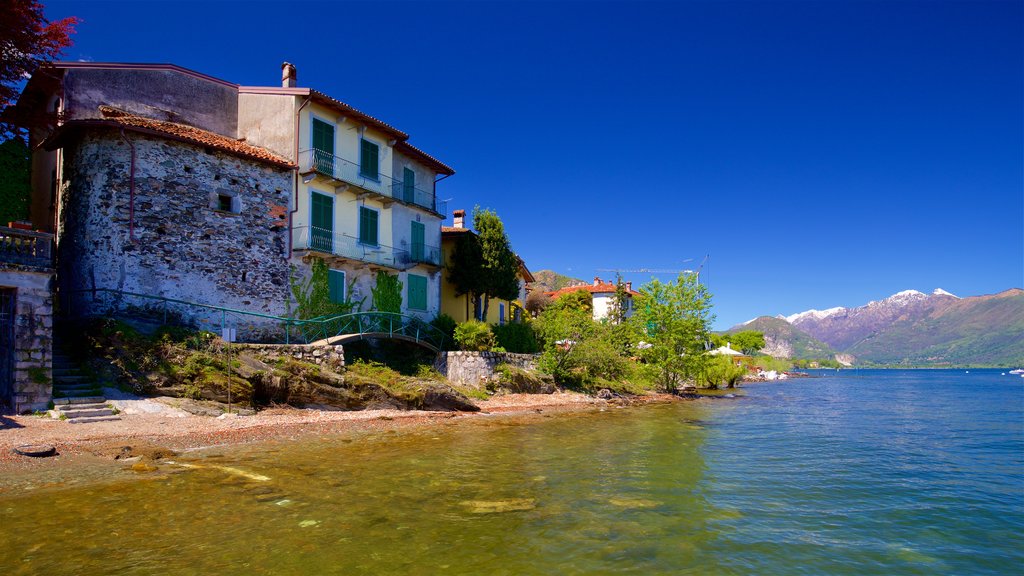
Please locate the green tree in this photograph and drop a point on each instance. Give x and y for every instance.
(465, 268)
(500, 270)
(673, 320)
(387, 293)
(748, 341)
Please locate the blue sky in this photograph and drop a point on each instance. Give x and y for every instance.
(822, 153)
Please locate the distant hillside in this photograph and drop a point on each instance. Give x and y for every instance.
(783, 340)
(975, 330)
(549, 281)
(909, 327)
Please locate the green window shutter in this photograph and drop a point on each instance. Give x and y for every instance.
(368, 220)
(321, 221)
(323, 136)
(369, 159)
(409, 186)
(336, 286)
(418, 234)
(417, 292)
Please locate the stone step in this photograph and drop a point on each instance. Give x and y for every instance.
(71, 414)
(75, 385)
(88, 419)
(82, 406)
(88, 391)
(62, 372)
(68, 379)
(79, 400)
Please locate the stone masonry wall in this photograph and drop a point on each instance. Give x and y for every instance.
(327, 355)
(185, 247)
(476, 368)
(33, 342)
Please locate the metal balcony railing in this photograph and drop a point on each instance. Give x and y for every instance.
(341, 170)
(340, 244)
(423, 254)
(26, 247)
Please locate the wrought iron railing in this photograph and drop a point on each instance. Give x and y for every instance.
(26, 247)
(249, 326)
(340, 244)
(342, 170)
(423, 254)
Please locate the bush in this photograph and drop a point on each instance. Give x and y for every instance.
(721, 370)
(587, 363)
(474, 336)
(516, 337)
(446, 324)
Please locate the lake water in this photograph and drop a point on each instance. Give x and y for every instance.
(860, 472)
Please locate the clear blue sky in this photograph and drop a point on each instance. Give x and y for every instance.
(823, 153)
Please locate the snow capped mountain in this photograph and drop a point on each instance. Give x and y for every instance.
(815, 314)
(941, 292)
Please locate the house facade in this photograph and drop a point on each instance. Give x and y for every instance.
(364, 198)
(162, 181)
(603, 294)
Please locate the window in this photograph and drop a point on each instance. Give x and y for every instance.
(408, 185)
(369, 159)
(417, 292)
(321, 222)
(225, 202)
(323, 147)
(336, 286)
(368, 218)
(418, 251)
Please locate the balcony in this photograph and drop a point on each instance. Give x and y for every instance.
(345, 246)
(423, 254)
(26, 248)
(338, 172)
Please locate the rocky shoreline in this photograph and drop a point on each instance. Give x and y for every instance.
(151, 429)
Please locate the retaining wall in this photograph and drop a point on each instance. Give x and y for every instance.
(476, 368)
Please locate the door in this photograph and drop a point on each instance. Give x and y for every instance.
(418, 248)
(6, 345)
(409, 186)
(323, 147)
(321, 219)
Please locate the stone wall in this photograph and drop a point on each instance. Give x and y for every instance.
(476, 368)
(32, 385)
(185, 246)
(327, 355)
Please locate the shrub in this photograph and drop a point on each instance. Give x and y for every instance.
(721, 370)
(474, 336)
(516, 337)
(446, 324)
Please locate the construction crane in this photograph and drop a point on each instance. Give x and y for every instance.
(661, 270)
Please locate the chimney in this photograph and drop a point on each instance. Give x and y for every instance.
(597, 281)
(459, 218)
(629, 286)
(289, 76)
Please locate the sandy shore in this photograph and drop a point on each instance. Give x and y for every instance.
(152, 433)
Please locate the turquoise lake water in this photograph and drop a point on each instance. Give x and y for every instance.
(856, 472)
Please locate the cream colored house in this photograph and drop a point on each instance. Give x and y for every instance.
(364, 198)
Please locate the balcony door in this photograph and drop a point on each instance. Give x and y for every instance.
(323, 147)
(409, 186)
(321, 222)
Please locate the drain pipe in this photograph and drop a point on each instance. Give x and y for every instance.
(131, 187)
(291, 232)
(435, 189)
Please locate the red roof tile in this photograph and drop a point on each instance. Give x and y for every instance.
(603, 288)
(192, 135)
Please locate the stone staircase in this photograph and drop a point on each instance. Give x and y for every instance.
(75, 398)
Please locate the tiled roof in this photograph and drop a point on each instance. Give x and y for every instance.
(603, 288)
(193, 135)
(454, 230)
(410, 150)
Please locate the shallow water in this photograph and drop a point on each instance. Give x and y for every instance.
(864, 472)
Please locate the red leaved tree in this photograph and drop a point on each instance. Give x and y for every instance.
(27, 40)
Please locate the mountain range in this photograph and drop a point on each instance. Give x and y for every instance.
(909, 327)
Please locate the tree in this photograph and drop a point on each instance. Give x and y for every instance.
(536, 302)
(27, 40)
(387, 293)
(466, 268)
(673, 320)
(748, 341)
(500, 271)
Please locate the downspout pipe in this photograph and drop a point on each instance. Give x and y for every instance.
(435, 189)
(295, 208)
(131, 188)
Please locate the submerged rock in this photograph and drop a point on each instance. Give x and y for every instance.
(497, 506)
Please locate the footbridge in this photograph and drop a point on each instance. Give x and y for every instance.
(378, 325)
